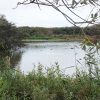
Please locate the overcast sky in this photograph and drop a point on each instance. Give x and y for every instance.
(31, 15)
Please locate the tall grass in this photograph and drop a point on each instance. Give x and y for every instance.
(51, 85)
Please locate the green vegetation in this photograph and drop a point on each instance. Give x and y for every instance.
(49, 33)
(62, 33)
(51, 85)
(10, 37)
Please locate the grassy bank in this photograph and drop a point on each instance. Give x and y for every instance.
(53, 38)
(51, 85)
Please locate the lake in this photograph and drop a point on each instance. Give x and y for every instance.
(68, 55)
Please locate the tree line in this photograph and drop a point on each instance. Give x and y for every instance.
(31, 31)
(11, 36)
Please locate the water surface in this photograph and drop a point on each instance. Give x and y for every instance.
(67, 54)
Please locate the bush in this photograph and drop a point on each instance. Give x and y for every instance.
(10, 38)
(52, 85)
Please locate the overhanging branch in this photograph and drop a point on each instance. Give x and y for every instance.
(70, 5)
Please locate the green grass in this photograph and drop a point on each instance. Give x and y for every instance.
(51, 85)
(54, 37)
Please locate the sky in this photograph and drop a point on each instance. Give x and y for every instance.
(31, 15)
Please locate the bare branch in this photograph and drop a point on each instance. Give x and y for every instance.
(70, 5)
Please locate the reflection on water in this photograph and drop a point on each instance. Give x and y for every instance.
(67, 54)
(15, 58)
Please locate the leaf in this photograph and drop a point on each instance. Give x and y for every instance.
(84, 2)
(92, 2)
(84, 47)
(96, 15)
(92, 15)
(74, 2)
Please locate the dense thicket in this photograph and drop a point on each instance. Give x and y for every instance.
(52, 85)
(10, 37)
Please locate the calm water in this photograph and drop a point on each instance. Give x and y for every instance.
(67, 54)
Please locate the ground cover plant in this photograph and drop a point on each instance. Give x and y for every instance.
(51, 85)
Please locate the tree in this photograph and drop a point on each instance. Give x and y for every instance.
(9, 36)
(70, 5)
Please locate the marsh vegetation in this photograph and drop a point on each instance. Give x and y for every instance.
(50, 84)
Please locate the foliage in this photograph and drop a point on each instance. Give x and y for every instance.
(61, 32)
(10, 38)
(31, 31)
(52, 85)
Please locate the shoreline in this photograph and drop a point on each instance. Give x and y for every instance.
(51, 40)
